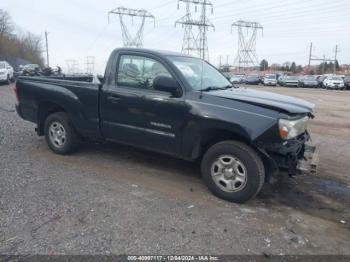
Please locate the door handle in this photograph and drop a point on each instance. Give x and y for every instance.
(113, 98)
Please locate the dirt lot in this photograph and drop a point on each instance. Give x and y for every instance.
(113, 199)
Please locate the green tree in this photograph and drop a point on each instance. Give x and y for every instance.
(25, 46)
(264, 65)
(337, 67)
(293, 67)
(299, 69)
(6, 25)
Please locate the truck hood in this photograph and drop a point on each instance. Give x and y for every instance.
(266, 99)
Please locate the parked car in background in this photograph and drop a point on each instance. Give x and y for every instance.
(237, 79)
(308, 81)
(280, 80)
(6, 72)
(320, 80)
(252, 80)
(334, 82)
(270, 80)
(291, 81)
(347, 82)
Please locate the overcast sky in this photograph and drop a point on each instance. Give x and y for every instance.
(79, 28)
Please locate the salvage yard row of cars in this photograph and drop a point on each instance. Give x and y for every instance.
(314, 81)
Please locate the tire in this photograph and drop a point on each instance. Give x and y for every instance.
(8, 80)
(247, 161)
(60, 135)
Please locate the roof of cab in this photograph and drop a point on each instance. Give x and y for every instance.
(152, 51)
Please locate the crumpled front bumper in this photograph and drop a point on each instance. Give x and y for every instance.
(296, 156)
(308, 165)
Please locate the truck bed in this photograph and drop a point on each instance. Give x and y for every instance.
(79, 99)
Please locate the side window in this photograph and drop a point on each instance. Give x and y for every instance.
(139, 72)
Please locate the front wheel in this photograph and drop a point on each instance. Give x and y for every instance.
(60, 135)
(233, 171)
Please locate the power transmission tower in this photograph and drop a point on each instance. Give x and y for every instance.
(90, 64)
(324, 59)
(72, 66)
(130, 40)
(246, 55)
(189, 42)
(196, 44)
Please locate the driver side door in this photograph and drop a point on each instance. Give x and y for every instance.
(135, 113)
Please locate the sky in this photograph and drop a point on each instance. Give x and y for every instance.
(80, 28)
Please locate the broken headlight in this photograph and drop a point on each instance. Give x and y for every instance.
(292, 128)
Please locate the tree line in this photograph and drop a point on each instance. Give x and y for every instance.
(323, 68)
(18, 47)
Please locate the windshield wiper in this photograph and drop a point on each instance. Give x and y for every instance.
(212, 88)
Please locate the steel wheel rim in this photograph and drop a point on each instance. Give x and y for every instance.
(57, 134)
(229, 173)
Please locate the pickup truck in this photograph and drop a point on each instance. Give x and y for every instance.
(181, 106)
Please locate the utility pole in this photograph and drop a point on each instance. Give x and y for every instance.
(197, 44)
(310, 54)
(220, 65)
(130, 40)
(227, 59)
(47, 49)
(323, 64)
(335, 59)
(246, 55)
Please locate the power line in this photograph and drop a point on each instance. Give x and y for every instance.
(128, 39)
(162, 5)
(284, 9)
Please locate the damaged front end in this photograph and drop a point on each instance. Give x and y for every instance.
(293, 152)
(295, 156)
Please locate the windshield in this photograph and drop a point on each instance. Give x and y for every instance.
(270, 77)
(291, 77)
(252, 77)
(2, 65)
(309, 78)
(336, 78)
(199, 74)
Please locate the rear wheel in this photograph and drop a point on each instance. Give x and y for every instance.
(8, 80)
(233, 171)
(60, 135)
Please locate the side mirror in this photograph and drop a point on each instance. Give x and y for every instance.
(101, 78)
(167, 84)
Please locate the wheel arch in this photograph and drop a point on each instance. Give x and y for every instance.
(46, 108)
(211, 136)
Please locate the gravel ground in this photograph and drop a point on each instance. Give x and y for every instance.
(112, 199)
